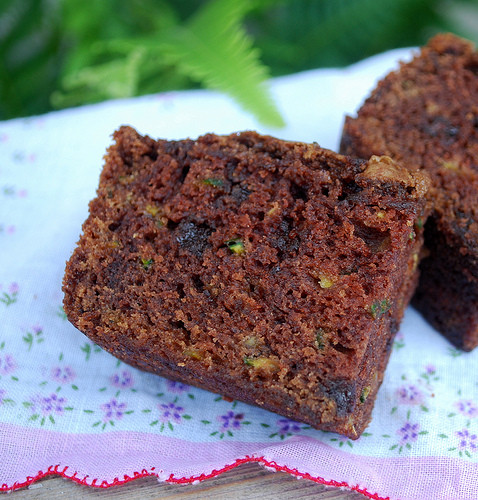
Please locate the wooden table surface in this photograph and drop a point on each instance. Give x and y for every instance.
(246, 482)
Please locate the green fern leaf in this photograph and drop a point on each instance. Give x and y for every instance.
(214, 49)
(110, 80)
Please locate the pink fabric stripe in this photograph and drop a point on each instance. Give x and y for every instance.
(407, 478)
(110, 455)
(116, 454)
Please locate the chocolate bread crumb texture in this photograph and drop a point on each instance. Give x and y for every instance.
(426, 115)
(271, 272)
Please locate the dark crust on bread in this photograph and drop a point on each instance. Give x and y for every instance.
(425, 115)
(267, 271)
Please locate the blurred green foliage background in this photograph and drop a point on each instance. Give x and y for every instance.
(60, 53)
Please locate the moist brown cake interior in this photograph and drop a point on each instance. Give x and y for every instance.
(268, 271)
(425, 115)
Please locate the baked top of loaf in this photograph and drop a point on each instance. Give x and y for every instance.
(269, 271)
(425, 115)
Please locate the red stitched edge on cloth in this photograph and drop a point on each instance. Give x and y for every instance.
(54, 470)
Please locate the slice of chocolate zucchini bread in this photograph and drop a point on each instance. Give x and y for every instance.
(425, 115)
(267, 271)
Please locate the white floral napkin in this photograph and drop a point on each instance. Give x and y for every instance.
(67, 407)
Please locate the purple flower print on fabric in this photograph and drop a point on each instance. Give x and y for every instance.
(3, 393)
(35, 336)
(287, 427)
(467, 408)
(408, 433)
(122, 380)
(430, 369)
(230, 421)
(467, 441)
(7, 364)
(49, 405)
(409, 395)
(113, 410)
(170, 412)
(12, 191)
(399, 341)
(10, 297)
(54, 404)
(62, 374)
(176, 387)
